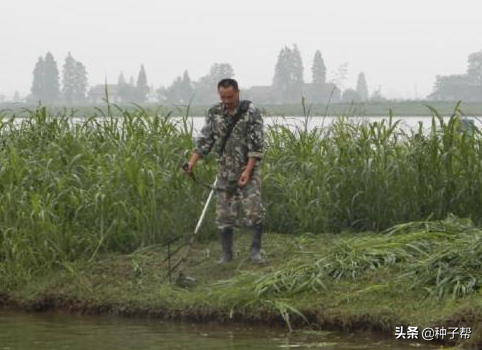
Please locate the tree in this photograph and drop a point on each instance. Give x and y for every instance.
(465, 87)
(68, 79)
(80, 82)
(127, 92)
(51, 85)
(377, 96)
(281, 78)
(173, 93)
(181, 90)
(296, 68)
(74, 80)
(38, 80)
(456, 87)
(339, 77)
(288, 75)
(206, 86)
(142, 88)
(474, 69)
(218, 72)
(121, 80)
(318, 69)
(187, 90)
(350, 95)
(162, 94)
(361, 87)
(122, 88)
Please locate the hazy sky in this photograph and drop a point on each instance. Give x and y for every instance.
(401, 45)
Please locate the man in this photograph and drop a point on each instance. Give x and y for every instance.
(239, 165)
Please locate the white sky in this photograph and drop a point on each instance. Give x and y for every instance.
(401, 45)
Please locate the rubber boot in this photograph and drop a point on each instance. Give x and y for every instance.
(255, 253)
(227, 245)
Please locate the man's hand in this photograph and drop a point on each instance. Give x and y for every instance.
(244, 178)
(189, 166)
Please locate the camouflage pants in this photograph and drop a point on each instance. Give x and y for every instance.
(247, 197)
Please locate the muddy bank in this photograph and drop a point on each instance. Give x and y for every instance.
(314, 320)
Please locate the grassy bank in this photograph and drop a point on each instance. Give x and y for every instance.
(109, 183)
(84, 207)
(424, 274)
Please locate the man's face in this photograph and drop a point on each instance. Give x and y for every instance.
(229, 96)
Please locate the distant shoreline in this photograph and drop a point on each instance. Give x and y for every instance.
(359, 109)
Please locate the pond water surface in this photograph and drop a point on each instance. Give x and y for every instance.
(56, 331)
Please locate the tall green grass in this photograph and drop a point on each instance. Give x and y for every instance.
(111, 182)
(370, 176)
(69, 190)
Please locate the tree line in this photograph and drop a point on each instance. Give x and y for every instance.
(72, 87)
(287, 86)
(46, 85)
(466, 87)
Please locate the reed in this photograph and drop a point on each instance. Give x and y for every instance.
(71, 189)
(370, 176)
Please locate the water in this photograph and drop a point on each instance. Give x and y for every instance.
(406, 123)
(293, 122)
(57, 331)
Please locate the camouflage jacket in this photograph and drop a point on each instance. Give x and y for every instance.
(245, 141)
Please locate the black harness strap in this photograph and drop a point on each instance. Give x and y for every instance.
(243, 108)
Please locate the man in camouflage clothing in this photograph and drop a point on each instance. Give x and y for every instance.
(239, 165)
